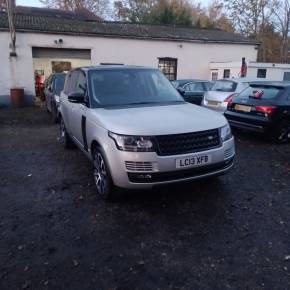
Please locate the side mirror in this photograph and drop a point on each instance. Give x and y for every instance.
(76, 97)
(181, 91)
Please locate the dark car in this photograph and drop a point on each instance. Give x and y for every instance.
(52, 88)
(262, 107)
(192, 90)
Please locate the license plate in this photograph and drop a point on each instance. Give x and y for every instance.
(193, 161)
(213, 103)
(243, 108)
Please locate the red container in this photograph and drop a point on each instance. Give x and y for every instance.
(17, 97)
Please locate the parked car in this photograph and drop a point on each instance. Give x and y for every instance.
(263, 107)
(192, 90)
(53, 86)
(222, 91)
(138, 131)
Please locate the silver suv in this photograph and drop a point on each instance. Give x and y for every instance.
(138, 131)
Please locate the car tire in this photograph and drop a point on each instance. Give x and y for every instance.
(54, 117)
(282, 132)
(105, 187)
(46, 107)
(64, 137)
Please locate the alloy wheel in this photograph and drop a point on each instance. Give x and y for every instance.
(62, 131)
(100, 175)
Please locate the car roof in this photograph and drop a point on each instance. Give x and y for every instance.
(242, 80)
(271, 83)
(182, 82)
(113, 67)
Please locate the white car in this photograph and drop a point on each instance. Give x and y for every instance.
(223, 90)
(138, 131)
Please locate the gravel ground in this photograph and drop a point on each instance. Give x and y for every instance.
(229, 233)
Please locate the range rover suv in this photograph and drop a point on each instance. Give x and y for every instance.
(138, 131)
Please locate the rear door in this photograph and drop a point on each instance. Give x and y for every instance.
(194, 92)
(79, 111)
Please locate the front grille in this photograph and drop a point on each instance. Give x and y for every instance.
(188, 142)
(139, 166)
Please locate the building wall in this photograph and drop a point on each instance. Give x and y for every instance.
(275, 72)
(193, 58)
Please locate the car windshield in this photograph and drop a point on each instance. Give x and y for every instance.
(117, 87)
(224, 86)
(59, 83)
(260, 92)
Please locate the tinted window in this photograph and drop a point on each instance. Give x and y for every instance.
(224, 86)
(261, 92)
(59, 83)
(81, 83)
(194, 87)
(208, 85)
(130, 86)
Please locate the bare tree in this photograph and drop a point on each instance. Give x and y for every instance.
(282, 25)
(248, 16)
(100, 8)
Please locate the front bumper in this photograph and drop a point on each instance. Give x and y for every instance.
(152, 169)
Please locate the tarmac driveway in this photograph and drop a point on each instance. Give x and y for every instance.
(232, 233)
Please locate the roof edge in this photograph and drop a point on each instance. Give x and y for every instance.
(136, 37)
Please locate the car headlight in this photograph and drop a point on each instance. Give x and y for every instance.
(226, 133)
(133, 143)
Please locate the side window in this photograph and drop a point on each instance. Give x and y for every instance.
(67, 83)
(71, 82)
(81, 83)
(187, 88)
(196, 87)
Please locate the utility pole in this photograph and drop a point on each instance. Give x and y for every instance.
(10, 14)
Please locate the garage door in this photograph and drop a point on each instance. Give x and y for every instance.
(43, 52)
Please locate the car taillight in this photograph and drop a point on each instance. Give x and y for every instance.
(229, 99)
(267, 110)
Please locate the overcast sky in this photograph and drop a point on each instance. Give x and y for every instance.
(37, 3)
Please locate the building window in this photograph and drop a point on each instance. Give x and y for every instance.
(261, 73)
(168, 66)
(227, 73)
(214, 75)
(286, 76)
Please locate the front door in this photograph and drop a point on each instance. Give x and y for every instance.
(79, 112)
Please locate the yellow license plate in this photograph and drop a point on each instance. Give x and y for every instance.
(213, 103)
(243, 108)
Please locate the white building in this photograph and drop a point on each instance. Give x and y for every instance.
(267, 71)
(48, 40)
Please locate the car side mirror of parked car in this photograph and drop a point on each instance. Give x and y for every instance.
(181, 91)
(76, 97)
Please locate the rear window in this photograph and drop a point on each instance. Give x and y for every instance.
(261, 92)
(224, 86)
